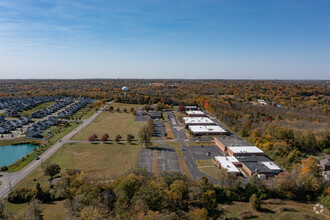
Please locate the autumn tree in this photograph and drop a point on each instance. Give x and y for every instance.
(34, 210)
(117, 138)
(145, 135)
(310, 166)
(104, 137)
(130, 138)
(52, 169)
(255, 202)
(2, 209)
(181, 108)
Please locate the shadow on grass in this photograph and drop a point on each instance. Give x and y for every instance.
(265, 210)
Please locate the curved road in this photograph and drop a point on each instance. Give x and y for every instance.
(11, 179)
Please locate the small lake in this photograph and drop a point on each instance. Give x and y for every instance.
(11, 153)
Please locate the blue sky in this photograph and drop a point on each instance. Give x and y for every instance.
(223, 39)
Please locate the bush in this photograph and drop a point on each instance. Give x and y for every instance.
(21, 195)
(255, 202)
(326, 151)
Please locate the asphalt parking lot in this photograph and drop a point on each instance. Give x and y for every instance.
(141, 118)
(204, 153)
(159, 128)
(167, 159)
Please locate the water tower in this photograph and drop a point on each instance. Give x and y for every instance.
(124, 89)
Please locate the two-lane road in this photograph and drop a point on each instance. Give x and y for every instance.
(11, 179)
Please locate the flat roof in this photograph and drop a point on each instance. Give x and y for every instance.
(232, 141)
(197, 120)
(195, 113)
(191, 106)
(252, 158)
(257, 167)
(227, 163)
(206, 128)
(271, 165)
(245, 149)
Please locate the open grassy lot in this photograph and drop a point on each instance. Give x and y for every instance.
(274, 209)
(14, 141)
(37, 108)
(58, 133)
(100, 161)
(85, 112)
(207, 167)
(113, 123)
(50, 211)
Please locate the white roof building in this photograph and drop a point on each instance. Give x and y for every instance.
(198, 121)
(271, 165)
(206, 129)
(228, 164)
(244, 150)
(195, 113)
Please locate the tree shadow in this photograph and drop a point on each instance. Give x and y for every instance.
(265, 210)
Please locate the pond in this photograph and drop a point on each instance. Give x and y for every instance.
(11, 153)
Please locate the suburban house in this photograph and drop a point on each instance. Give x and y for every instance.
(3, 129)
(325, 164)
(33, 133)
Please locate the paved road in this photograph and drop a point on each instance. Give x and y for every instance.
(187, 153)
(11, 179)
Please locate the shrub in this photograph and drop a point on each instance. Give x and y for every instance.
(130, 138)
(118, 137)
(21, 195)
(255, 202)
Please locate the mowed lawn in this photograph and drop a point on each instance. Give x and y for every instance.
(100, 161)
(112, 123)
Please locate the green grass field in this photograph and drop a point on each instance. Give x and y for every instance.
(86, 112)
(207, 167)
(62, 131)
(100, 161)
(274, 209)
(112, 123)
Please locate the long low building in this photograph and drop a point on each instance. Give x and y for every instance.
(228, 163)
(198, 121)
(224, 142)
(195, 114)
(206, 130)
(251, 164)
(261, 167)
(244, 151)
